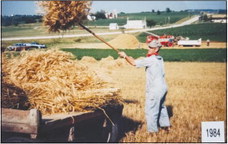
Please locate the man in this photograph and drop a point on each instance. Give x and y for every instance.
(208, 42)
(156, 88)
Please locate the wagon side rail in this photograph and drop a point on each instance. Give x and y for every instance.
(21, 121)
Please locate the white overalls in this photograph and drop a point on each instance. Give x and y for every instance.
(156, 89)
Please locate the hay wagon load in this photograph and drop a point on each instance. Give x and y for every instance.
(49, 96)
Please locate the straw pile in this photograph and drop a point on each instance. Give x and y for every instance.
(109, 58)
(121, 62)
(55, 83)
(88, 59)
(110, 63)
(62, 15)
(125, 41)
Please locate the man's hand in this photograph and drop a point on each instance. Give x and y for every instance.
(122, 54)
(130, 60)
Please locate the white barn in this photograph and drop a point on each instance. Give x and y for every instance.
(113, 26)
(135, 24)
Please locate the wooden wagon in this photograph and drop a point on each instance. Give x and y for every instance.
(32, 126)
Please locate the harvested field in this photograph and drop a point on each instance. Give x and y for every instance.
(194, 89)
(109, 63)
(214, 45)
(88, 59)
(197, 92)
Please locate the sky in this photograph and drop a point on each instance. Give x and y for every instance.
(30, 8)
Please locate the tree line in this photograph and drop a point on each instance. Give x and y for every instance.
(20, 19)
(26, 19)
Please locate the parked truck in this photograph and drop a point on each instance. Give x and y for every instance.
(25, 46)
(189, 42)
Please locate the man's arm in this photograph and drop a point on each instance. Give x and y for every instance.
(130, 60)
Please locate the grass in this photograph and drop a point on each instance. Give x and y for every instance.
(184, 55)
(212, 31)
(159, 19)
(37, 29)
(59, 42)
(27, 30)
(34, 29)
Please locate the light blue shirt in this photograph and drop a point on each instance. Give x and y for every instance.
(155, 75)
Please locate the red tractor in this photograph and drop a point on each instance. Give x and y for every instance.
(165, 40)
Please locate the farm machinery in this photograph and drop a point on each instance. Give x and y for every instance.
(165, 40)
(188, 42)
(170, 40)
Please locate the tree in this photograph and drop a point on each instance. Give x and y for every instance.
(168, 10)
(150, 23)
(6, 21)
(20, 19)
(205, 18)
(158, 12)
(153, 11)
(100, 15)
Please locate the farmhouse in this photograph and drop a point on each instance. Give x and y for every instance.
(135, 24)
(111, 15)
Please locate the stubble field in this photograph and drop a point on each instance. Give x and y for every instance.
(197, 93)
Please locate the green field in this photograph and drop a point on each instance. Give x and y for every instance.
(159, 19)
(34, 29)
(184, 55)
(37, 29)
(26, 30)
(212, 31)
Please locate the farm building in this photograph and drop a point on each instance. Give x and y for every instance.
(135, 24)
(113, 26)
(218, 18)
(91, 18)
(111, 15)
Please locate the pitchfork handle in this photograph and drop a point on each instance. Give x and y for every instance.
(98, 37)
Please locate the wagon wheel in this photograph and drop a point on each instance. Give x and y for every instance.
(110, 131)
